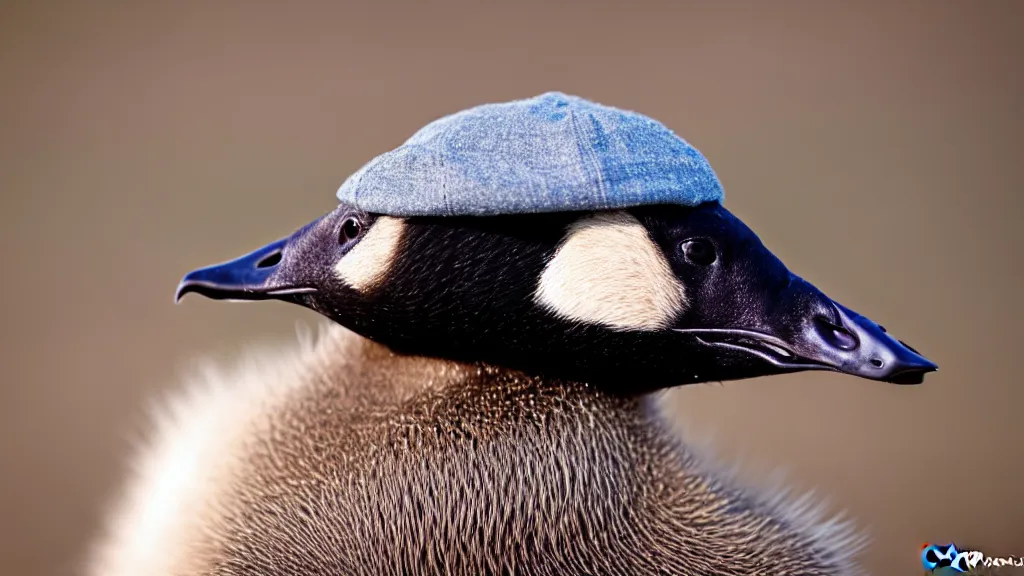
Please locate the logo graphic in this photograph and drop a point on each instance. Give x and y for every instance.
(935, 556)
(938, 556)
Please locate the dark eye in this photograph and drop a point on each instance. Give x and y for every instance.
(350, 230)
(698, 251)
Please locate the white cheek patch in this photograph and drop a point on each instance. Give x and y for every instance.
(608, 271)
(370, 259)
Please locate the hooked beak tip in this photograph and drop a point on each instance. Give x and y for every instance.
(179, 292)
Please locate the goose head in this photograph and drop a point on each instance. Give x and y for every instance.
(633, 299)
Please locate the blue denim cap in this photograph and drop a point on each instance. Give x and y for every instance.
(550, 153)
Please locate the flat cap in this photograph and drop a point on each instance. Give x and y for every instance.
(550, 153)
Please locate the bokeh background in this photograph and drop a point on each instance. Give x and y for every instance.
(875, 146)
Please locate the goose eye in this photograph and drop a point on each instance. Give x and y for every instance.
(350, 230)
(698, 251)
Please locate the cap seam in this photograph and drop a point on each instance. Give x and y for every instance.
(587, 153)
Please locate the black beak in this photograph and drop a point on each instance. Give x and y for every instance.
(255, 276)
(823, 336)
(860, 347)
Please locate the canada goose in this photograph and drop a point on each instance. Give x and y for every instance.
(482, 404)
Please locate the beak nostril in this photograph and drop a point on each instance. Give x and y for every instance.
(836, 336)
(877, 362)
(271, 260)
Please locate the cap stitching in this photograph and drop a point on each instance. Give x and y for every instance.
(587, 152)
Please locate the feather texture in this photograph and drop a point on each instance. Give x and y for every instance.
(338, 456)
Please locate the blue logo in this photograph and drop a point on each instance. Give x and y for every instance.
(948, 558)
(935, 556)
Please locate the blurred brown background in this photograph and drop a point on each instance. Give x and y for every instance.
(875, 146)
